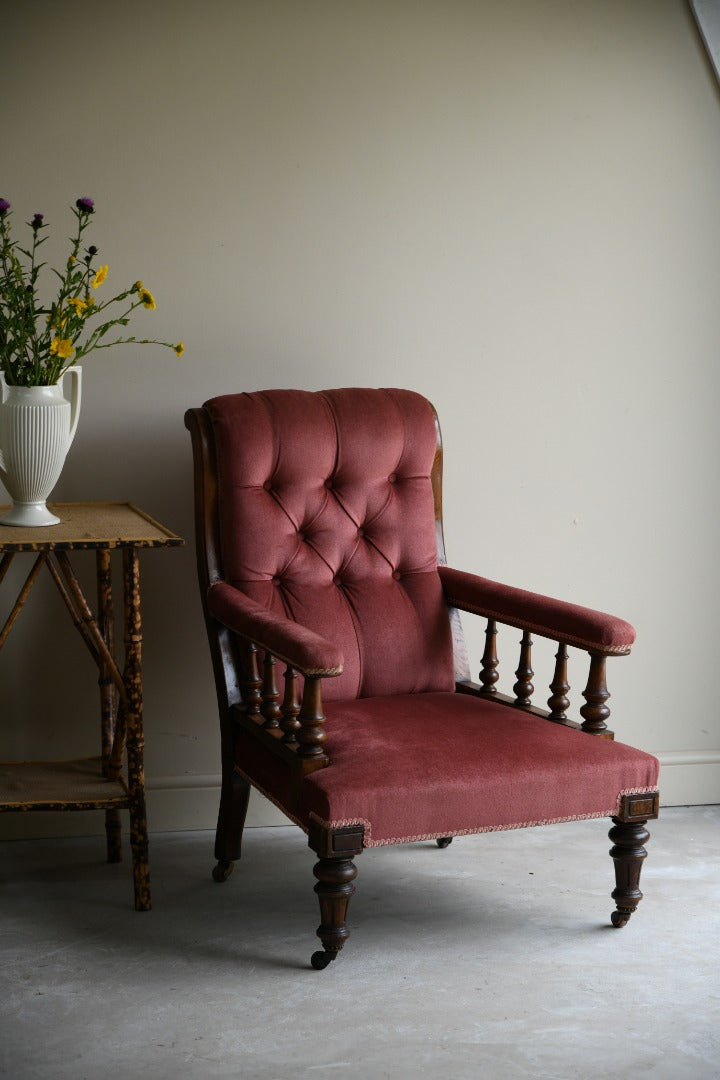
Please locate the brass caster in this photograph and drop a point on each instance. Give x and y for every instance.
(620, 918)
(444, 841)
(223, 870)
(320, 960)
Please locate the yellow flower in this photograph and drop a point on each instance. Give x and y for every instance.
(100, 276)
(179, 349)
(147, 299)
(79, 304)
(137, 286)
(62, 347)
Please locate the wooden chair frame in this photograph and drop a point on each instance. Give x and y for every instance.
(290, 723)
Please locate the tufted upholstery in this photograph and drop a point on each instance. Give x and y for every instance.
(338, 532)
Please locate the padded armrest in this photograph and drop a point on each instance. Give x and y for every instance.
(555, 619)
(297, 646)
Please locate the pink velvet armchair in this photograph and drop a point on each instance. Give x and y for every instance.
(343, 692)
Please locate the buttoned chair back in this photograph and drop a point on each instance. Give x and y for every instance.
(326, 517)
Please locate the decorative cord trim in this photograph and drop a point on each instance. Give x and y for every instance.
(473, 831)
(369, 842)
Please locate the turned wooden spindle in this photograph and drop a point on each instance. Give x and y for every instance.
(489, 674)
(252, 686)
(290, 707)
(270, 707)
(559, 702)
(595, 712)
(523, 688)
(310, 733)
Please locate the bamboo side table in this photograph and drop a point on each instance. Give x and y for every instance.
(115, 780)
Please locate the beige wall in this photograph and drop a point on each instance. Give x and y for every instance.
(512, 208)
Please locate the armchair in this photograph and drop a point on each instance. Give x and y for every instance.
(342, 681)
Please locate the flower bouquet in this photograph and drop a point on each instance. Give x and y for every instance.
(39, 342)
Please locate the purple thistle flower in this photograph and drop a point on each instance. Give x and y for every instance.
(85, 205)
(4, 207)
(37, 221)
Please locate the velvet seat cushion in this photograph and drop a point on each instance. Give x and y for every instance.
(419, 766)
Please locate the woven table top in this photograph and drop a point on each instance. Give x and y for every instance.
(90, 525)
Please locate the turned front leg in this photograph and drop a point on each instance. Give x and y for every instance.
(628, 855)
(334, 889)
(335, 872)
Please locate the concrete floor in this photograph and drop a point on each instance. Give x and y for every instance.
(490, 959)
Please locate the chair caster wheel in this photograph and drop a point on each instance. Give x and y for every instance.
(444, 841)
(223, 870)
(620, 918)
(320, 960)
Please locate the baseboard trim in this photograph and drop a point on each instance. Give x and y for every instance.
(179, 803)
(190, 802)
(689, 777)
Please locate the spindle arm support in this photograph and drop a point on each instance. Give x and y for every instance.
(300, 648)
(582, 627)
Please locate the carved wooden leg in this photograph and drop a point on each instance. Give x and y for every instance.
(234, 798)
(334, 889)
(444, 841)
(628, 854)
(335, 873)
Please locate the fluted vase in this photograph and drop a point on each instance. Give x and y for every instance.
(37, 427)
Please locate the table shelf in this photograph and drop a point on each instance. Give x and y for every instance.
(84, 783)
(77, 784)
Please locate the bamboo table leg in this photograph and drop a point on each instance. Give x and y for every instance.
(108, 693)
(132, 677)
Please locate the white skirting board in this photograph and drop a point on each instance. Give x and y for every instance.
(180, 803)
(689, 777)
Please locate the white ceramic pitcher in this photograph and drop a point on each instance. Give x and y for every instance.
(37, 426)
